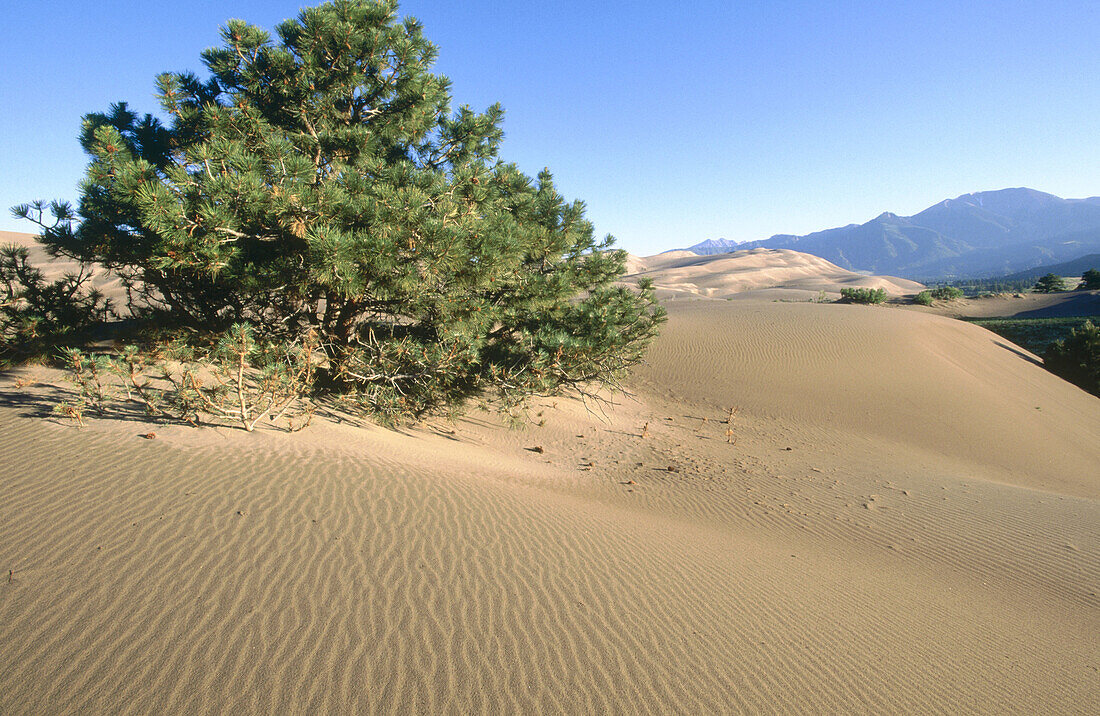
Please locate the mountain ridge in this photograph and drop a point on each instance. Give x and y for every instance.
(991, 233)
(1076, 267)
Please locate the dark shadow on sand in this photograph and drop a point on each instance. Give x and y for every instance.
(1013, 349)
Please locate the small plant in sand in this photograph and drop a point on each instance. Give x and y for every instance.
(91, 375)
(862, 295)
(729, 425)
(238, 381)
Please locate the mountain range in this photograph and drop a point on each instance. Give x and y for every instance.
(1076, 267)
(991, 233)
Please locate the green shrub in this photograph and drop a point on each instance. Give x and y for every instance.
(1077, 358)
(1090, 280)
(862, 295)
(940, 293)
(947, 293)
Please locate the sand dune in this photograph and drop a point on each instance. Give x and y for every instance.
(53, 269)
(724, 275)
(634, 264)
(907, 521)
(28, 241)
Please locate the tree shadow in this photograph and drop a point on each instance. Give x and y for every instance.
(623, 432)
(1017, 351)
(38, 403)
(32, 397)
(1075, 304)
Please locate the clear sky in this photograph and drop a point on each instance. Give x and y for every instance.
(674, 121)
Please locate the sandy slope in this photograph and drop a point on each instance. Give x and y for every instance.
(38, 255)
(724, 275)
(908, 521)
(53, 269)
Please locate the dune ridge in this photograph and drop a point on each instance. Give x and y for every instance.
(725, 275)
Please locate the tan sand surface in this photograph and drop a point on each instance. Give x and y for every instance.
(907, 521)
(38, 254)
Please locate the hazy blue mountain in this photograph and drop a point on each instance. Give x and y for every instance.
(990, 233)
(1075, 267)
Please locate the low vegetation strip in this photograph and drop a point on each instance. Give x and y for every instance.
(942, 293)
(1034, 334)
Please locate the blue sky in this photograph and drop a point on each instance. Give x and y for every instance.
(675, 122)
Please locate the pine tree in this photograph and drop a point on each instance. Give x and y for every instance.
(322, 182)
(1051, 283)
(1090, 280)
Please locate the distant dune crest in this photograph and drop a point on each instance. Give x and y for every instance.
(796, 274)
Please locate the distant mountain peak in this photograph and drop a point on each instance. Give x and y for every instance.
(714, 246)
